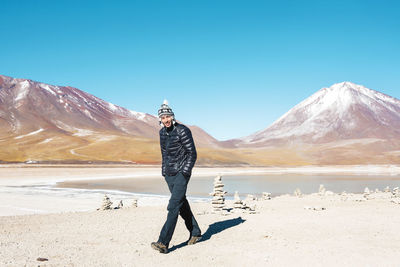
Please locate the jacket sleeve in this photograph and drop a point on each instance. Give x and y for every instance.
(190, 151)
(163, 155)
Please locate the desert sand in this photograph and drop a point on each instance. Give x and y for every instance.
(309, 230)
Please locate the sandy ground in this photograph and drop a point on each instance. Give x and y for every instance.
(285, 231)
(282, 233)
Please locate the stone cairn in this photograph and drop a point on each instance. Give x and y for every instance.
(237, 202)
(249, 204)
(321, 190)
(239, 205)
(367, 192)
(250, 198)
(218, 200)
(266, 196)
(134, 203)
(344, 196)
(297, 192)
(106, 205)
(396, 192)
(396, 195)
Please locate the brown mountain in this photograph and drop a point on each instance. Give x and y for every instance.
(343, 124)
(42, 122)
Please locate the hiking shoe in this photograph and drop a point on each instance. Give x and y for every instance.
(194, 239)
(160, 247)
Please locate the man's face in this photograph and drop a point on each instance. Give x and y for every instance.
(166, 120)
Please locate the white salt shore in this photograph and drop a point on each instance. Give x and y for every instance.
(30, 190)
(305, 230)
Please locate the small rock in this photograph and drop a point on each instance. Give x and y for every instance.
(395, 201)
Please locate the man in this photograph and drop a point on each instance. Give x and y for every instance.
(178, 158)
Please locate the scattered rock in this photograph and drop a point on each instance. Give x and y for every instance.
(42, 259)
(329, 193)
(395, 201)
(317, 208)
(120, 205)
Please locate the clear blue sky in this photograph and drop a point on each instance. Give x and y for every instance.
(230, 67)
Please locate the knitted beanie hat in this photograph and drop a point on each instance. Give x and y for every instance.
(165, 110)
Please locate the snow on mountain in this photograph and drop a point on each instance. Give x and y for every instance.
(23, 89)
(26, 106)
(343, 111)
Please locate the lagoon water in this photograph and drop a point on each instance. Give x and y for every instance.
(245, 184)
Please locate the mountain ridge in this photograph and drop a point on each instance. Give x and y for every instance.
(342, 124)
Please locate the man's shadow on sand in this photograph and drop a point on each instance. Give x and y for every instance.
(213, 229)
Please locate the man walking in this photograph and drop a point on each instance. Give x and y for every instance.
(178, 158)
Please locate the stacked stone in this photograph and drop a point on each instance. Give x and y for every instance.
(321, 190)
(106, 205)
(120, 205)
(251, 208)
(387, 189)
(134, 203)
(297, 192)
(367, 192)
(218, 200)
(237, 202)
(396, 192)
(250, 198)
(266, 196)
(343, 196)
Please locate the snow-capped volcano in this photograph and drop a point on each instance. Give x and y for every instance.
(343, 111)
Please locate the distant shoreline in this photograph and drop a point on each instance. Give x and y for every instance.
(26, 190)
(320, 169)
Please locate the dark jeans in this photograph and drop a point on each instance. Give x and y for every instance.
(178, 204)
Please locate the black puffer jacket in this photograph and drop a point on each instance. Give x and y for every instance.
(178, 150)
